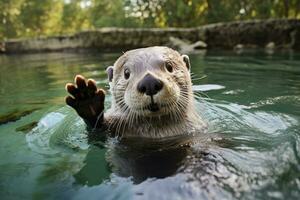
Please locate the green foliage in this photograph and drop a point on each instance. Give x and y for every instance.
(31, 18)
(74, 17)
(109, 13)
(9, 15)
(40, 17)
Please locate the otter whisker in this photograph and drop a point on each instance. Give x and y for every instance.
(198, 78)
(201, 93)
(97, 121)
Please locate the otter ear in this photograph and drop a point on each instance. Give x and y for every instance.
(186, 60)
(110, 72)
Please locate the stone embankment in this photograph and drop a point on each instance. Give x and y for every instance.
(276, 33)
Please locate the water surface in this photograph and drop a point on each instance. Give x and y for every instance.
(250, 100)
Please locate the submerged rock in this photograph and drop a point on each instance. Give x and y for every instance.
(270, 48)
(239, 48)
(15, 115)
(27, 127)
(199, 45)
(184, 46)
(270, 45)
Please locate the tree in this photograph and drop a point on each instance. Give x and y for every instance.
(111, 13)
(30, 18)
(41, 17)
(9, 15)
(74, 17)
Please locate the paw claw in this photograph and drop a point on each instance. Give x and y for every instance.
(71, 88)
(78, 76)
(91, 84)
(71, 101)
(101, 94)
(80, 82)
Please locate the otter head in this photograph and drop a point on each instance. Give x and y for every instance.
(151, 82)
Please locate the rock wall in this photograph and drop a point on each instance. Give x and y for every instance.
(284, 33)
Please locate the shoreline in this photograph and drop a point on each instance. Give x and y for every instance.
(270, 34)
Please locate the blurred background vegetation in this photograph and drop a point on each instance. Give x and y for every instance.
(31, 18)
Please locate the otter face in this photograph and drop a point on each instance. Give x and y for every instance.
(151, 82)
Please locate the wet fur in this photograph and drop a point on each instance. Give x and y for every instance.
(180, 116)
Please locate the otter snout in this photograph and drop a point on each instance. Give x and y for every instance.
(150, 85)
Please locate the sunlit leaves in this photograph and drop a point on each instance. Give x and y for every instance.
(31, 18)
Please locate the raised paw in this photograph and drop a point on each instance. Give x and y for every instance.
(86, 99)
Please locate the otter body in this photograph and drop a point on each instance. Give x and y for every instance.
(152, 96)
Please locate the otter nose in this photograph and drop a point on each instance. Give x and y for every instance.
(150, 85)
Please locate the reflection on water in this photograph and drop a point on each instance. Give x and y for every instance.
(251, 103)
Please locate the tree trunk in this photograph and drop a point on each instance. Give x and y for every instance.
(286, 8)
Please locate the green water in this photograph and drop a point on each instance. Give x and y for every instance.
(252, 101)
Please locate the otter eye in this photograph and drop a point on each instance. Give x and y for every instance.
(126, 74)
(169, 67)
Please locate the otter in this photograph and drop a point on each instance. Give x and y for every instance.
(152, 96)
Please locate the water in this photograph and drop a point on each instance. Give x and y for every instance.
(251, 103)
